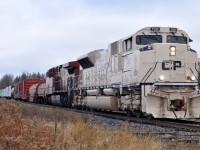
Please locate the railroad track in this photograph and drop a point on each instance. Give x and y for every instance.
(179, 125)
(191, 129)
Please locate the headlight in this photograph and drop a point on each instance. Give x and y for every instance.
(193, 78)
(149, 47)
(173, 29)
(161, 77)
(172, 50)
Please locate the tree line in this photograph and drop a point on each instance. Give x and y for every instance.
(9, 79)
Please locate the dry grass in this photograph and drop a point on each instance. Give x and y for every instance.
(41, 128)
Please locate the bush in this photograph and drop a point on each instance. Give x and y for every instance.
(24, 126)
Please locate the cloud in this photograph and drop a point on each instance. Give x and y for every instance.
(37, 35)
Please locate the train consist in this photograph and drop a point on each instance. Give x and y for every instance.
(150, 73)
(21, 90)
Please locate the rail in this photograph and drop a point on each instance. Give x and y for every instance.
(179, 125)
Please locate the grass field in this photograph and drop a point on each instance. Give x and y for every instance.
(24, 127)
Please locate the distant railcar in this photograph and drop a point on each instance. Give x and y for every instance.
(8, 92)
(21, 89)
(1, 93)
(17, 90)
(37, 93)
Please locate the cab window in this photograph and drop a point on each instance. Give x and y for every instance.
(176, 39)
(127, 44)
(148, 39)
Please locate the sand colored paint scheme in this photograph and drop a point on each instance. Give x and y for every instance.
(152, 72)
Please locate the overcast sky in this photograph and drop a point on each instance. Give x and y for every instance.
(36, 35)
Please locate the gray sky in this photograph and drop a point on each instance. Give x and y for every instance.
(36, 35)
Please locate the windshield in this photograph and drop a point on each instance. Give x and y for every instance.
(176, 39)
(148, 39)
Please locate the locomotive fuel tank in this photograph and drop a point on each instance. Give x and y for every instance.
(102, 102)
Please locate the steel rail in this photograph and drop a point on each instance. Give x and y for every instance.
(179, 125)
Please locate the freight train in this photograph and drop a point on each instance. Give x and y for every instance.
(151, 73)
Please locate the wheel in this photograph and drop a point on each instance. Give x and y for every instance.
(38, 100)
(150, 117)
(128, 113)
(42, 100)
(87, 109)
(63, 101)
(138, 114)
(45, 101)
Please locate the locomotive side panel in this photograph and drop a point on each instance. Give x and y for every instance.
(49, 85)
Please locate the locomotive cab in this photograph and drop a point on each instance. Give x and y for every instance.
(169, 88)
(174, 81)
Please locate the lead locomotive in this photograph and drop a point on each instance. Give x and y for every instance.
(152, 72)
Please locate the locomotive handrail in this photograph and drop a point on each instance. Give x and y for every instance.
(145, 75)
(149, 76)
(177, 91)
(193, 72)
(74, 84)
(150, 73)
(196, 69)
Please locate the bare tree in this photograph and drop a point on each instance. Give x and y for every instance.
(6, 80)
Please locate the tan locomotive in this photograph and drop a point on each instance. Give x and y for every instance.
(152, 72)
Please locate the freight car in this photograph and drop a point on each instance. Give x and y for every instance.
(21, 89)
(37, 93)
(1, 93)
(6, 92)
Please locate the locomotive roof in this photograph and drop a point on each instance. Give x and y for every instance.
(159, 29)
